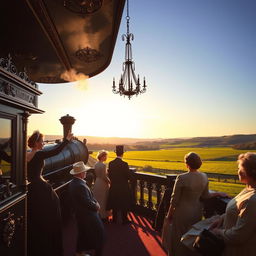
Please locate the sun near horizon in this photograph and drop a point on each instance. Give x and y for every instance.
(113, 116)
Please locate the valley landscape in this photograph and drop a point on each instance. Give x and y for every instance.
(219, 155)
(165, 156)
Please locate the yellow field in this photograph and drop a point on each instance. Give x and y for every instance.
(229, 188)
(5, 168)
(177, 154)
(215, 160)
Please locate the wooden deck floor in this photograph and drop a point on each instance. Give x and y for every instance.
(135, 239)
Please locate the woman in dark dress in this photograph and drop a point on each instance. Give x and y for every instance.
(44, 217)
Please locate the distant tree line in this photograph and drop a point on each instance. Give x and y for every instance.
(111, 147)
(246, 146)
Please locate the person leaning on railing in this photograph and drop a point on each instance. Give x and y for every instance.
(44, 217)
(185, 206)
(237, 226)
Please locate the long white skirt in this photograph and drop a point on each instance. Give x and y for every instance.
(100, 191)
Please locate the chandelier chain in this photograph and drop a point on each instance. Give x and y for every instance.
(127, 18)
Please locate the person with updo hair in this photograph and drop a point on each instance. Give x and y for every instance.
(193, 161)
(186, 207)
(102, 184)
(237, 226)
(44, 217)
(35, 138)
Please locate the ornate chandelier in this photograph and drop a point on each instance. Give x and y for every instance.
(129, 84)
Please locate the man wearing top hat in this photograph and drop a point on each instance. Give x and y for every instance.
(90, 227)
(119, 193)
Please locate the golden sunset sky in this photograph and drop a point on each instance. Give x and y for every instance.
(199, 60)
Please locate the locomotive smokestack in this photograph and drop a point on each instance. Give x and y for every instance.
(67, 122)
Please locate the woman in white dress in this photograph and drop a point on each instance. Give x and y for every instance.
(102, 184)
(237, 226)
(185, 206)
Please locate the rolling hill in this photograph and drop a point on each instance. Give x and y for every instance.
(239, 141)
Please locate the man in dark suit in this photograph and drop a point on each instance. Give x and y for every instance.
(119, 193)
(90, 227)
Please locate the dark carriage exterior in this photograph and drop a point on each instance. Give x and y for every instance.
(18, 100)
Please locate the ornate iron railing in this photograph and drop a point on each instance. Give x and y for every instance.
(148, 191)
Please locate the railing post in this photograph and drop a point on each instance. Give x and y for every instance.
(133, 183)
(149, 187)
(142, 186)
(158, 194)
(170, 180)
(146, 204)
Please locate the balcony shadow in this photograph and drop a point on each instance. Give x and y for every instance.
(146, 226)
(137, 238)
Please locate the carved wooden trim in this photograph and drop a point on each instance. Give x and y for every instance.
(83, 7)
(88, 55)
(16, 88)
(7, 64)
(15, 93)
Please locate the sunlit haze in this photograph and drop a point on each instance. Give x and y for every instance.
(199, 60)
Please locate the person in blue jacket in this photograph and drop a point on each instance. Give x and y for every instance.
(91, 231)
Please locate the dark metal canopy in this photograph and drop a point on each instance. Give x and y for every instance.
(49, 37)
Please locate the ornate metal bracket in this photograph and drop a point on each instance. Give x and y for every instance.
(8, 229)
(5, 189)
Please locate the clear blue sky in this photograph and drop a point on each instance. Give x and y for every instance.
(199, 59)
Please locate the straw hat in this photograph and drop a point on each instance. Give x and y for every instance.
(79, 167)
